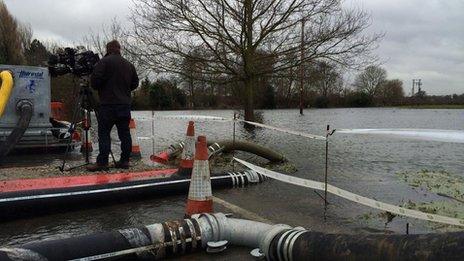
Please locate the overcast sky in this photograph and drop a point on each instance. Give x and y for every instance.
(423, 38)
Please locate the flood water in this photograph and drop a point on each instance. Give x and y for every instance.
(364, 164)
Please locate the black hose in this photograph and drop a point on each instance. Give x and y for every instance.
(157, 241)
(27, 203)
(25, 115)
(305, 245)
(167, 239)
(84, 246)
(231, 145)
(227, 146)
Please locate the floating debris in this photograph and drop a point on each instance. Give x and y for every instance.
(443, 184)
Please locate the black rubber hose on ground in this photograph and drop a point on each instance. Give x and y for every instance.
(230, 145)
(25, 115)
(172, 238)
(307, 245)
(153, 242)
(32, 203)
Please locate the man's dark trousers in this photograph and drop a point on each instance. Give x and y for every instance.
(108, 116)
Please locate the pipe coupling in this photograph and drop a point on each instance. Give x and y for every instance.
(21, 104)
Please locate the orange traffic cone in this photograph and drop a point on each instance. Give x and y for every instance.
(200, 194)
(135, 154)
(165, 156)
(188, 151)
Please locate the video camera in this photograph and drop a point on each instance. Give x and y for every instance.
(70, 60)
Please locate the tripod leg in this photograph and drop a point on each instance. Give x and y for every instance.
(112, 156)
(87, 136)
(72, 128)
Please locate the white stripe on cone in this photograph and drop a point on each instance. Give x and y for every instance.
(200, 184)
(200, 195)
(135, 143)
(188, 151)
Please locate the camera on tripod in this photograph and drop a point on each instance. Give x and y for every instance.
(70, 60)
(80, 63)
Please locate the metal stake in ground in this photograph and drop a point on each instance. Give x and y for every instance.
(233, 142)
(153, 132)
(326, 170)
(329, 133)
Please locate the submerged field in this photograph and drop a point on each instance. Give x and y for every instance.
(431, 106)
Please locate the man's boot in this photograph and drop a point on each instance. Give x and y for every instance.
(122, 164)
(97, 167)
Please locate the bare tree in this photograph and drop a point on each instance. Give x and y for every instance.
(97, 40)
(36, 54)
(192, 71)
(234, 31)
(11, 45)
(371, 79)
(325, 78)
(25, 32)
(286, 87)
(285, 81)
(391, 92)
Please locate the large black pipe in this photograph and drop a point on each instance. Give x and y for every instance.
(231, 145)
(25, 114)
(306, 245)
(227, 146)
(158, 241)
(38, 202)
(276, 242)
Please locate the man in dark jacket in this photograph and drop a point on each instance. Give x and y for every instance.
(114, 78)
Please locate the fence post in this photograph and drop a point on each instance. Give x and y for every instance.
(326, 169)
(153, 132)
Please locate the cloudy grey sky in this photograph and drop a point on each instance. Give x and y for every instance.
(423, 38)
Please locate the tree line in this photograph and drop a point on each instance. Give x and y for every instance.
(249, 54)
(324, 87)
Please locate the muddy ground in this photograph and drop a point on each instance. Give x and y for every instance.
(218, 164)
(43, 171)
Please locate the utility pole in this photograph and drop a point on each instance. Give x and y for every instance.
(301, 65)
(419, 84)
(415, 82)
